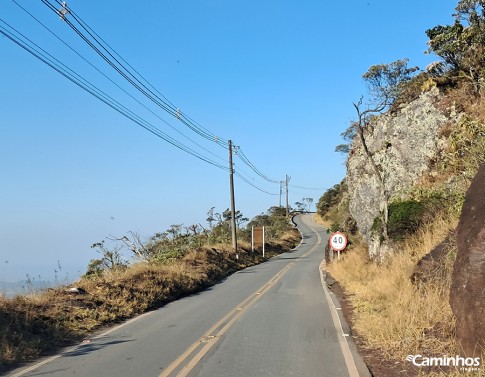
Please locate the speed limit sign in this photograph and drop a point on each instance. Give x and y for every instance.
(338, 241)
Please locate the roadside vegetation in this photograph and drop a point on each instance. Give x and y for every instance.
(172, 264)
(398, 307)
(400, 303)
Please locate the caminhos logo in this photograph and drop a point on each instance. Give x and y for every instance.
(464, 363)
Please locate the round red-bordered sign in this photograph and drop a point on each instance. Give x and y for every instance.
(338, 241)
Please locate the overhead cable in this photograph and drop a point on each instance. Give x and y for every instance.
(253, 185)
(238, 151)
(250, 180)
(309, 188)
(135, 79)
(114, 83)
(110, 56)
(68, 73)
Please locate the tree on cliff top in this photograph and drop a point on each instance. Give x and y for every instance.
(385, 83)
(462, 45)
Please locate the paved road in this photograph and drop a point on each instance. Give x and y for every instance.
(274, 319)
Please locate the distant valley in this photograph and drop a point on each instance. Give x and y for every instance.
(10, 289)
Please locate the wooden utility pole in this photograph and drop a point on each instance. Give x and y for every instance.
(281, 190)
(287, 205)
(233, 202)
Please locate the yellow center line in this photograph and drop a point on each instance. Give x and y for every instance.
(210, 338)
(194, 353)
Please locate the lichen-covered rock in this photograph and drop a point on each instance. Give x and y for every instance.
(402, 146)
(467, 295)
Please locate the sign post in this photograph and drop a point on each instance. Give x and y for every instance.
(258, 238)
(264, 240)
(338, 242)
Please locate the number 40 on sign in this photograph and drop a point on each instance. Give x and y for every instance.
(338, 242)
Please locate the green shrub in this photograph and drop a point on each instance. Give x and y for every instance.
(330, 198)
(405, 217)
(95, 268)
(378, 228)
(275, 220)
(377, 225)
(335, 227)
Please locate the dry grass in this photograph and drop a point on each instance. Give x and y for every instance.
(35, 325)
(457, 373)
(390, 312)
(336, 215)
(319, 220)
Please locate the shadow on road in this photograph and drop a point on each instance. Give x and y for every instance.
(93, 346)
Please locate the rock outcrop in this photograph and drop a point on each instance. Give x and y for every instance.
(467, 296)
(402, 146)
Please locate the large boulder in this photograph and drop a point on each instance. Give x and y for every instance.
(467, 296)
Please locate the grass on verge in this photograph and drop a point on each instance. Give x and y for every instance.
(395, 315)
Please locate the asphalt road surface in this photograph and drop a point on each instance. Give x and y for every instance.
(275, 319)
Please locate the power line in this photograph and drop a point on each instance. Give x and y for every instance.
(253, 185)
(113, 82)
(244, 159)
(47, 59)
(165, 105)
(109, 55)
(309, 188)
(251, 181)
(298, 193)
(238, 151)
(113, 59)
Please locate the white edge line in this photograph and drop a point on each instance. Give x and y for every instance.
(77, 346)
(344, 345)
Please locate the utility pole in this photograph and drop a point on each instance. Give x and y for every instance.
(233, 202)
(287, 205)
(281, 190)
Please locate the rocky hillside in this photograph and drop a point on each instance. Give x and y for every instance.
(427, 152)
(401, 277)
(404, 146)
(414, 151)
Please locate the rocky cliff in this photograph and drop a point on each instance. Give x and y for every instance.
(403, 145)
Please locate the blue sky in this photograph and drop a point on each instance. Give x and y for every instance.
(276, 77)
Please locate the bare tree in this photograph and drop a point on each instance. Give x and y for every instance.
(385, 83)
(175, 231)
(213, 217)
(308, 205)
(363, 119)
(195, 229)
(135, 245)
(300, 206)
(111, 258)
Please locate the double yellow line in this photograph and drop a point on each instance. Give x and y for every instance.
(182, 366)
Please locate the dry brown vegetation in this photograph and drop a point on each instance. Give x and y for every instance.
(39, 324)
(391, 312)
(395, 313)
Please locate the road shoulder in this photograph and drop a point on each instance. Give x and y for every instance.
(377, 364)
